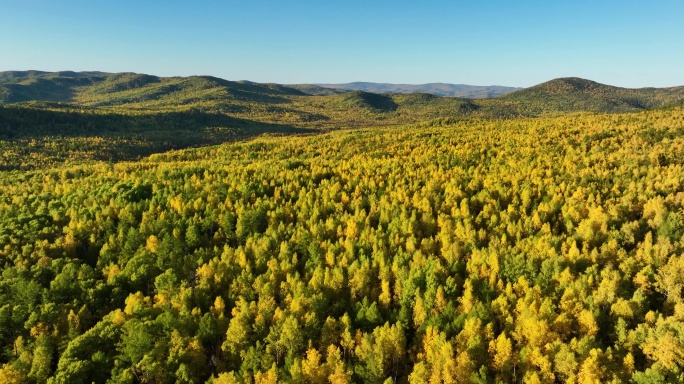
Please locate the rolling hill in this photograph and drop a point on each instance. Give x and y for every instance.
(573, 94)
(131, 93)
(133, 90)
(320, 105)
(54, 117)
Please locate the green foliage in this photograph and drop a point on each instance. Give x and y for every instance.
(369, 101)
(37, 135)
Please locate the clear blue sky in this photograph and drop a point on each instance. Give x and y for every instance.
(518, 43)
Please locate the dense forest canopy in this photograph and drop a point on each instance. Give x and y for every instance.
(535, 250)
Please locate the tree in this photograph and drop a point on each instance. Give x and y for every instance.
(502, 350)
(381, 353)
(41, 367)
(239, 330)
(11, 376)
(268, 377)
(670, 279)
(313, 368)
(291, 338)
(338, 374)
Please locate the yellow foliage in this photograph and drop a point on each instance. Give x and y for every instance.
(502, 349)
(136, 302)
(152, 243)
(268, 377)
(386, 295)
(665, 349)
(8, 375)
(110, 272)
(419, 312)
(312, 367)
(468, 298)
(591, 370)
(226, 378)
(587, 323)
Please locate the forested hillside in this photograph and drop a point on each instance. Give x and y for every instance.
(38, 135)
(53, 118)
(534, 250)
(313, 106)
(575, 94)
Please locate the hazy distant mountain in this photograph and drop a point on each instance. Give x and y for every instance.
(316, 90)
(439, 89)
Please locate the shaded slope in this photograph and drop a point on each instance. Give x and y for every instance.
(367, 101)
(20, 86)
(134, 90)
(424, 106)
(44, 134)
(143, 91)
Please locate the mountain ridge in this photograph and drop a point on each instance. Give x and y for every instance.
(314, 105)
(438, 89)
(123, 115)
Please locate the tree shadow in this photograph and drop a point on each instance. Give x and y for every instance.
(68, 135)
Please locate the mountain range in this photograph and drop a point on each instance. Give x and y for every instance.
(315, 104)
(437, 89)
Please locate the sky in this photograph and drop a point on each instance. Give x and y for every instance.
(514, 43)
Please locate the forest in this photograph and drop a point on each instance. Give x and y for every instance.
(469, 249)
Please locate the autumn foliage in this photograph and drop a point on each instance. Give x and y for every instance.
(534, 250)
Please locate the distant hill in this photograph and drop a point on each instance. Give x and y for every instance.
(18, 86)
(438, 89)
(366, 100)
(573, 94)
(135, 90)
(55, 117)
(330, 106)
(21, 75)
